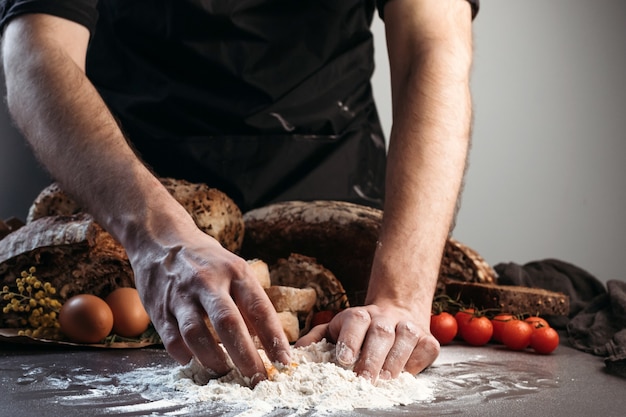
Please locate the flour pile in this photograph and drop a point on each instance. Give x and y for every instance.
(314, 381)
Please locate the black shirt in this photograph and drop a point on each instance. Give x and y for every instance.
(265, 99)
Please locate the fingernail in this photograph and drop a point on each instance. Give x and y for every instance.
(345, 355)
(367, 375)
(256, 378)
(284, 357)
(385, 375)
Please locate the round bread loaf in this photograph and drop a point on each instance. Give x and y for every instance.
(214, 212)
(52, 201)
(299, 271)
(342, 237)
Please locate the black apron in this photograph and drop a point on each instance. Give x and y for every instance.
(267, 100)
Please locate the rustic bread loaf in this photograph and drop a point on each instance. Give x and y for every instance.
(301, 271)
(509, 298)
(342, 237)
(213, 211)
(73, 253)
(462, 263)
(52, 201)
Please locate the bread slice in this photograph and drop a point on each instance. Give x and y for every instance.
(296, 300)
(291, 325)
(73, 253)
(509, 298)
(261, 271)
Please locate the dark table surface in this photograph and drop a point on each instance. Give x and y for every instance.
(469, 381)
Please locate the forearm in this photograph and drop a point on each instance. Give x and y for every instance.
(76, 138)
(426, 162)
(184, 276)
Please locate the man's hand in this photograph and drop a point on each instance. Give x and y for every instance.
(378, 341)
(184, 276)
(197, 283)
(429, 45)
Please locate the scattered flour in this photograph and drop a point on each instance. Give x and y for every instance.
(313, 381)
(313, 386)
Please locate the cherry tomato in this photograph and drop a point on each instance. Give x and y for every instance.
(463, 316)
(537, 322)
(477, 331)
(516, 334)
(498, 323)
(322, 317)
(544, 340)
(444, 327)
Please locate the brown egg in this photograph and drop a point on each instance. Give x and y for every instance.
(86, 318)
(130, 318)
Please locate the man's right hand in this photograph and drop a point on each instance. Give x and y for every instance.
(184, 276)
(194, 280)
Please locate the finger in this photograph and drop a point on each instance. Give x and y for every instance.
(351, 327)
(406, 339)
(424, 354)
(260, 316)
(200, 341)
(315, 335)
(233, 333)
(380, 338)
(173, 341)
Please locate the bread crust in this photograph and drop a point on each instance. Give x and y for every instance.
(214, 212)
(342, 237)
(73, 253)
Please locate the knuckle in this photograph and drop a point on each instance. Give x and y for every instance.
(223, 320)
(190, 328)
(408, 330)
(431, 346)
(360, 315)
(237, 268)
(382, 329)
(424, 354)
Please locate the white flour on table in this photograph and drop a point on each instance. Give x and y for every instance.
(315, 387)
(313, 382)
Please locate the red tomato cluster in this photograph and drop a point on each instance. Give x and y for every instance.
(478, 330)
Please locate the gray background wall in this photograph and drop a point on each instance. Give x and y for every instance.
(547, 166)
(547, 174)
